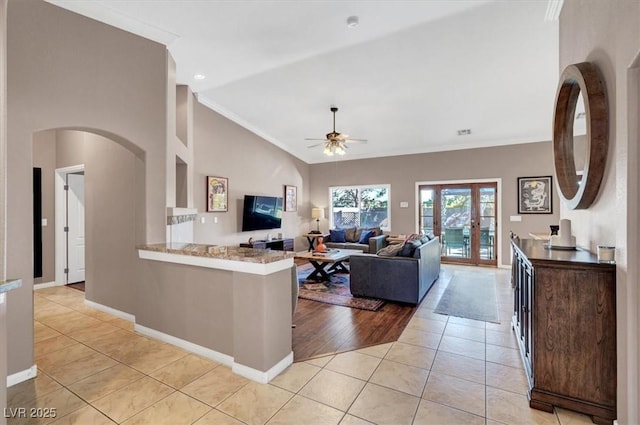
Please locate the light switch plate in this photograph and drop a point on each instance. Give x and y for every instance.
(404, 204)
(516, 218)
(44, 222)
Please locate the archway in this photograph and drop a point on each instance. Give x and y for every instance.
(114, 170)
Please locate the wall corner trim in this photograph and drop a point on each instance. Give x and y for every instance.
(22, 376)
(263, 377)
(43, 285)
(105, 309)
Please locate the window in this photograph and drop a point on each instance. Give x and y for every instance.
(362, 206)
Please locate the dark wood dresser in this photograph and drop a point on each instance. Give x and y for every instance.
(565, 321)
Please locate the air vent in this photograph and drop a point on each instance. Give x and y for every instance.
(464, 132)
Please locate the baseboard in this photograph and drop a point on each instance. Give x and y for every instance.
(121, 314)
(45, 285)
(22, 376)
(225, 359)
(259, 376)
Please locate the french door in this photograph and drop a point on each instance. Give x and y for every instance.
(464, 216)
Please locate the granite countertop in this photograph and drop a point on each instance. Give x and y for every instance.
(8, 285)
(247, 255)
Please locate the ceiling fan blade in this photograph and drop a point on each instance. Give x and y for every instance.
(342, 136)
(315, 145)
(315, 139)
(356, 141)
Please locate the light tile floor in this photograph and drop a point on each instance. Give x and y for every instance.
(93, 369)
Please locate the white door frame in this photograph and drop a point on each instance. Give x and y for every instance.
(61, 214)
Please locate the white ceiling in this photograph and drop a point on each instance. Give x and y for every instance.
(407, 78)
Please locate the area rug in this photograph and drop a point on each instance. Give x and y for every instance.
(336, 291)
(470, 295)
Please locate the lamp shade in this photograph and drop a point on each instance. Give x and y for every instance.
(317, 213)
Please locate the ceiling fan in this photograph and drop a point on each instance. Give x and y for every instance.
(335, 143)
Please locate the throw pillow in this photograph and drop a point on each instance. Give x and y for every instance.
(407, 249)
(366, 235)
(360, 230)
(337, 235)
(390, 250)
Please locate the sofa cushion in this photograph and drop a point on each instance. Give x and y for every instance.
(366, 235)
(348, 245)
(390, 250)
(337, 235)
(350, 234)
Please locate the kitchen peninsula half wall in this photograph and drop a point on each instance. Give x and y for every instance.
(229, 304)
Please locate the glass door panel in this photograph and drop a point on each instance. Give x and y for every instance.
(487, 214)
(455, 216)
(427, 218)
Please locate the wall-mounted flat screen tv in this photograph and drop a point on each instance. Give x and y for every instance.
(261, 213)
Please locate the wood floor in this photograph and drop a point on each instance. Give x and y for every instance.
(79, 286)
(324, 328)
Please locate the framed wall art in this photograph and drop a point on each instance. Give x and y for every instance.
(535, 195)
(217, 194)
(290, 198)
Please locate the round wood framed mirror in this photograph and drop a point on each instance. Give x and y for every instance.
(579, 186)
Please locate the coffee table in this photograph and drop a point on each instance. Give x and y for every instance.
(328, 263)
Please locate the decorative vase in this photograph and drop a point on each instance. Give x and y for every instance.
(320, 246)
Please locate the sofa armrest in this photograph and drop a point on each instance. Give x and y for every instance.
(387, 278)
(376, 243)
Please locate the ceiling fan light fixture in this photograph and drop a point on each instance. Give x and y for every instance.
(336, 143)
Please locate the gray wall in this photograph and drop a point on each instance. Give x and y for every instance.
(402, 173)
(44, 157)
(607, 33)
(253, 166)
(64, 71)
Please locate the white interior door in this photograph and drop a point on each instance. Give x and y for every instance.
(75, 224)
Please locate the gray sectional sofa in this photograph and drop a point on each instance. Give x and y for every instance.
(396, 278)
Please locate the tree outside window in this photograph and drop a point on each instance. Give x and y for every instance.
(362, 206)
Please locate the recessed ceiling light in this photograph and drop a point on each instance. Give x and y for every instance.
(464, 132)
(199, 77)
(353, 21)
